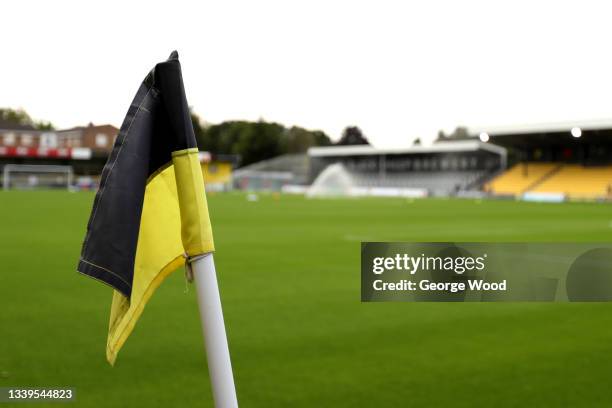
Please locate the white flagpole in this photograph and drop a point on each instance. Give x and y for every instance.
(217, 351)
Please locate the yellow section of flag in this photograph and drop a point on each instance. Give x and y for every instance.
(174, 221)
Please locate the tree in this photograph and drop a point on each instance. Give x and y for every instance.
(321, 139)
(200, 132)
(298, 140)
(460, 132)
(255, 141)
(417, 142)
(19, 117)
(259, 141)
(352, 135)
(43, 125)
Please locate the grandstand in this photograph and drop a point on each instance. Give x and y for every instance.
(436, 182)
(571, 180)
(570, 160)
(273, 174)
(520, 178)
(445, 168)
(577, 181)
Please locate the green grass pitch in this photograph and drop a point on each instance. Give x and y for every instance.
(298, 333)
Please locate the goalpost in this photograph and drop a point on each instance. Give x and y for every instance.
(36, 176)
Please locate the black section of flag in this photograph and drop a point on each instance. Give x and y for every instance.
(157, 123)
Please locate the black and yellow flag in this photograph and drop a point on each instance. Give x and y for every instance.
(150, 211)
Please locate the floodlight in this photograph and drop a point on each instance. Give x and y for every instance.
(576, 132)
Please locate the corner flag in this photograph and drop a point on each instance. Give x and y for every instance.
(150, 212)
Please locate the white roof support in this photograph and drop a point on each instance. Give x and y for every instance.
(440, 147)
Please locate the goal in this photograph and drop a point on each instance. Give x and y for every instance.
(36, 176)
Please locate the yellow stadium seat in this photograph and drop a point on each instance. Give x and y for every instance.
(578, 181)
(520, 177)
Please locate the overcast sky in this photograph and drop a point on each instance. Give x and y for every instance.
(398, 71)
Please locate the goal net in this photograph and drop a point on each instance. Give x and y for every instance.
(31, 176)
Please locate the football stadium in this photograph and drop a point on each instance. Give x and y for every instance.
(248, 232)
(542, 162)
(297, 331)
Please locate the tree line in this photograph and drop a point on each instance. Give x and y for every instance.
(255, 141)
(261, 140)
(21, 118)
